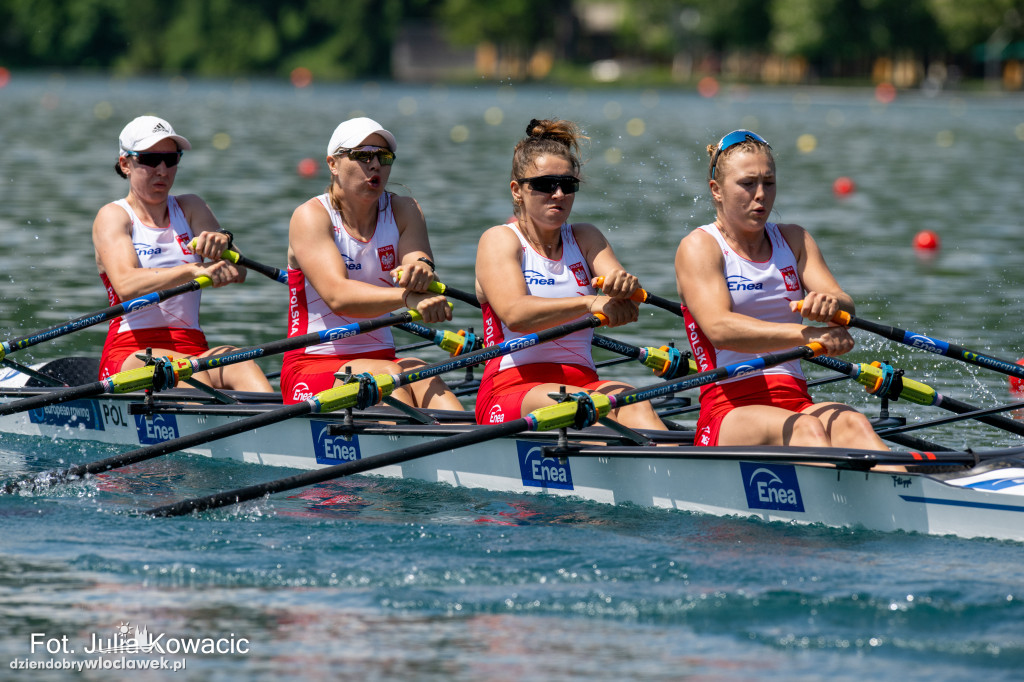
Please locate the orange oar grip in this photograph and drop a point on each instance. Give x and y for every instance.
(841, 317)
(640, 295)
(816, 348)
(602, 317)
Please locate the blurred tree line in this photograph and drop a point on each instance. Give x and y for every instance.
(354, 38)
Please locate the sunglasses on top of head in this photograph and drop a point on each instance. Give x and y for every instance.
(154, 159)
(384, 156)
(569, 184)
(731, 140)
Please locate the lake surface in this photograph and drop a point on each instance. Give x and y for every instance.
(373, 579)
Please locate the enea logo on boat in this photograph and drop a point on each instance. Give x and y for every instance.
(156, 428)
(539, 471)
(76, 414)
(333, 449)
(771, 486)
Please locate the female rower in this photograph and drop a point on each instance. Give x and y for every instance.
(142, 245)
(537, 272)
(741, 279)
(345, 250)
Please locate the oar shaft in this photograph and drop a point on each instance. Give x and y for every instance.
(932, 345)
(270, 271)
(99, 316)
(166, 447)
(53, 397)
(430, 447)
(734, 370)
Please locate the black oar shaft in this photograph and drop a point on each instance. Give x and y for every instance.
(166, 447)
(52, 398)
(98, 316)
(939, 347)
(431, 447)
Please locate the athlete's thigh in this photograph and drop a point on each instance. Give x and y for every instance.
(757, 425)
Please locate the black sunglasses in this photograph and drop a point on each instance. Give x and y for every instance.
(154, 159)
(569, 184)
(385, 156)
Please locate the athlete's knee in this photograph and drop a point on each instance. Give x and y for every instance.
(807, 430)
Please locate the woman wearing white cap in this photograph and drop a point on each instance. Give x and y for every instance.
(142, 246)
(345, 248)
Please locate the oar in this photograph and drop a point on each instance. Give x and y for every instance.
(578, 412)
(363, 393)
(232, 256)
(931, 344)
(880, 379)
(167, 373)
(668, 363)
(91, 319)
(644, 296)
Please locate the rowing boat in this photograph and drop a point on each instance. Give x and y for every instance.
(827, 486)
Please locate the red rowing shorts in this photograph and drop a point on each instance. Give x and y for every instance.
(500, 396)
(117, 348)
(303, 376)
(776, 390)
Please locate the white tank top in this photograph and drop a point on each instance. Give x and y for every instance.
(159, 247)
(562, 278)
(761, 290)
(370, 261)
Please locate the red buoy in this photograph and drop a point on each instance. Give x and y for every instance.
(926, 240)
(307, 168)
(1016, 384)
(843, 186)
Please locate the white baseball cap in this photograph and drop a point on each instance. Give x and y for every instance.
(352, 132)
(144, 132)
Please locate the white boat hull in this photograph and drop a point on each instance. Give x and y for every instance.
(715, 481)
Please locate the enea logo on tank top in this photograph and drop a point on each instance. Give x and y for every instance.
(386, 255)
(351, 264)
(790, 278)
(183, 241)
(580, 273)
(741, 283)
(537, 278)
(146, 249)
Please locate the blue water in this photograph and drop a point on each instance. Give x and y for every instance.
(374, 579)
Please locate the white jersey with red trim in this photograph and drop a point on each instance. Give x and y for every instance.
(159, 247)
(762, 290)
(370, 261)
(562, 278)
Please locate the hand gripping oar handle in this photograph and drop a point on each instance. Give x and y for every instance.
(233, 256)
(166, 373)
(931, 344)
(91, 319)
(644, 296)
(559, 415)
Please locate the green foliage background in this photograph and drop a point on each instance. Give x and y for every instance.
(338, 39)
